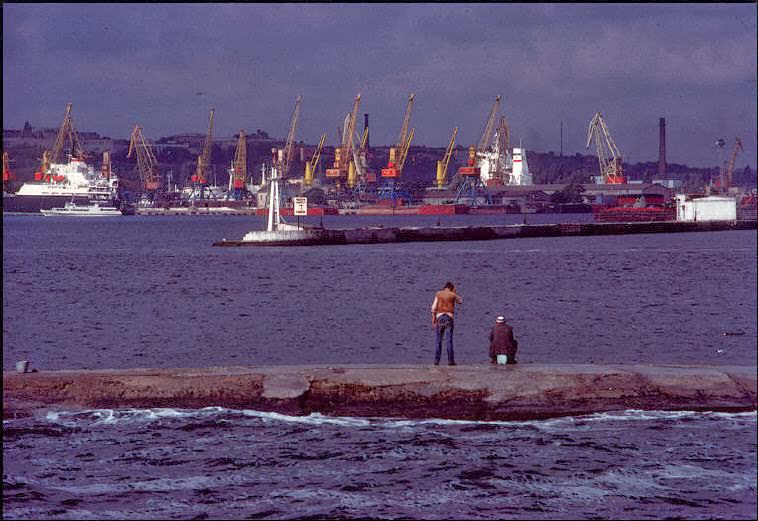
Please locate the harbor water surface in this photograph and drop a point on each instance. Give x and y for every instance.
(152, 292)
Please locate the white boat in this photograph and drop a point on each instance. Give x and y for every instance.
(78, 210)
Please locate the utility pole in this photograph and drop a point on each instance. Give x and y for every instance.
(561, 138)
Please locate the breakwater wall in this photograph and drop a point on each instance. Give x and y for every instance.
(378, 234)
(473, 392)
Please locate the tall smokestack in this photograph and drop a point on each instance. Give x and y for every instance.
(662, 148)
(365, 126)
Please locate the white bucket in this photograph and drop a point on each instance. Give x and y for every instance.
(22, 366)
(502, 359)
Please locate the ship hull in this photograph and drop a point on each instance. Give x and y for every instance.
(36, 203)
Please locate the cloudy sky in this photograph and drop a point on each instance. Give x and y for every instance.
(165, 65)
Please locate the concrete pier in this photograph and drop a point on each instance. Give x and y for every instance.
(377, 234)
(473, 392)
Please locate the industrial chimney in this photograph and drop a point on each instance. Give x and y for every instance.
(365, 126)
(662, 149)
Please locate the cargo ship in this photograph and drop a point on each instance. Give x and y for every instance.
(62, 183)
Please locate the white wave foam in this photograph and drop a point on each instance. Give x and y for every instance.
(120, 416)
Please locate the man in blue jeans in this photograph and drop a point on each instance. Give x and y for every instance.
(443, 314)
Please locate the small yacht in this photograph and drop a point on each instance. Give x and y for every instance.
(78, 210)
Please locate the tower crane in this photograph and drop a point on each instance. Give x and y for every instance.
(239, 163)
(147, 165)
(289, 146)
(203, 160)
(728, 175)
(67, 132)
(311, 165)
(344, 166)
(443, 164)
(610, 167)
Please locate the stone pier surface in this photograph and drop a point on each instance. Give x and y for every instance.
(470, 392)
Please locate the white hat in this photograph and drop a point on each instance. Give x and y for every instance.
(500, 318)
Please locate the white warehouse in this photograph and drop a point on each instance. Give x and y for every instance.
(711, 208)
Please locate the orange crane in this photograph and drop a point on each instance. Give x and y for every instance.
(147, 165)
(443, 164)
(610, 167)
(203, 160)
(239, 163)
(728, 175)
(311, 165)
(7, 176)
(344, 166)
(399, 152)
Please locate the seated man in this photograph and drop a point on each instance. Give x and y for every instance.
(502, 341)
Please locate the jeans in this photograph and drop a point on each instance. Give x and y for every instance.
(444, 323)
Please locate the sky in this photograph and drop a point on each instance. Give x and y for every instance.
(164, 65)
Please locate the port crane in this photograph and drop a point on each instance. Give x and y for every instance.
(398, 154)
(445, 161)
(729, 173)
(67, 132)
(310, 166)
(106, 169)
(285, 161)
(147, 165)
(471, 185)
(7, 176)
(344, 165)
(608, 154)
(199, 179)
(238, 172)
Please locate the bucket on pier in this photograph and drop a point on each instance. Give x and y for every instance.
(22, 366)
(502, 359)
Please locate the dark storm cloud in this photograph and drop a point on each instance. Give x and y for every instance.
(126, 63)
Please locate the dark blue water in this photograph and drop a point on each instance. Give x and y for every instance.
(152, 292)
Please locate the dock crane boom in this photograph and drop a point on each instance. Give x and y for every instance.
(239, 164)
(489, 126)
(443, 164)
(289, 146)
(205, 156)
(147, 165)
(610, 167)
(67, 132)
(311, 165)
(730, 166)
(399, 152)
(344, 166)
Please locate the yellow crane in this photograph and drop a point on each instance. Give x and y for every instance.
(147, 165)
(608, 154)
(239, 164)
(203, 160)
(66, 133)
(311, 165)
(344, 166)
(728, 175)
(399, 152)
(443, 164)
(289, 146)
